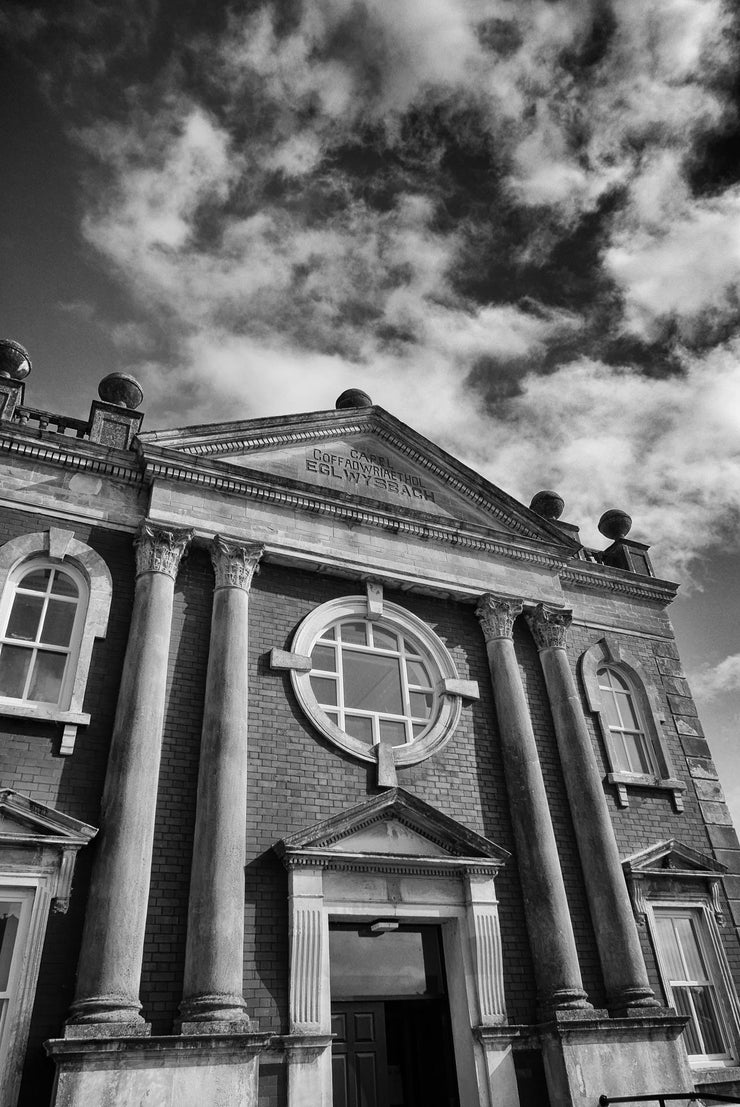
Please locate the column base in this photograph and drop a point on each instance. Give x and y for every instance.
(565, 1000)
(119, 1010)
(213, 1007)
(634, 1001)
(308, 1058)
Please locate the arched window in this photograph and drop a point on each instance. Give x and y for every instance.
(55, 595)
(631, 745)
(628, 713)
(41, 619)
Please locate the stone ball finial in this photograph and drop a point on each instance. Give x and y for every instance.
(353, 397)
(15, 360)
(615, 524)
(121, 389)
(548, 504)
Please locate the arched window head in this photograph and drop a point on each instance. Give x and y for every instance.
(41, 619)
(631, 744)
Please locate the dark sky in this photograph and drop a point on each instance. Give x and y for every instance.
(515, 223)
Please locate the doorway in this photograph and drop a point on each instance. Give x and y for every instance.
(390, 1015)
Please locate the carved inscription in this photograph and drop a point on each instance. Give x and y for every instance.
(359, 471)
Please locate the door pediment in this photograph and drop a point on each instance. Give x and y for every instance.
(393, 825)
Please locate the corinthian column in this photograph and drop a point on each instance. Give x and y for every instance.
(214, 953)
(113, 940)
(558, 975)
(622, 963)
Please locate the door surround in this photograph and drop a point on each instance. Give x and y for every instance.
(395, 857)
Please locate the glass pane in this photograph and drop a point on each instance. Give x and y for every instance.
(332, 716)
(63, 585)
(621, 758)
(421, 704)
(58, 623)
(384, 640)
(372, 682)
(610, 708)
(325, 690)
(683, 1005)
(37, 580)
(627, 710)
(706, 1016)
(10, 916)
(24, 617)
(46, 682)
(690, 948)
(397, 963)
(328, 633)
(669, 948)
(417, 674)
(354, 633)
(14, 662)
(411, 647)
(418, 728)
(359, 726)
(324, 657)
(392, 733)
(638, 755)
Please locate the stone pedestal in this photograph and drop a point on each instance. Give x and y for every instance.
(585, 1059)
(208, 1071)
(622, 963)
(214, 958)
(548, 920)
(113, 939)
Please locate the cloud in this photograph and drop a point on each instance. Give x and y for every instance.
(720, 678)
(487, 214)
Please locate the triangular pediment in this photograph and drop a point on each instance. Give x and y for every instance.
(362, 455)
(26, 821)
(672, 856)
(394, 824)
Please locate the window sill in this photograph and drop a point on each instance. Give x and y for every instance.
(622, 781)
(50, 713)
(714, 1072)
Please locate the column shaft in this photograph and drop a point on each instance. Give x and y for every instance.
(113, 940)
(547, 914)
(213, 981)
(623, 965)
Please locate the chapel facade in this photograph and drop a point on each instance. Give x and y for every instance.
(331, 775)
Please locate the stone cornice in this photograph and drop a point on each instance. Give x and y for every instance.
(219, 440)
(58, 449)
(283, 492)
(606, 579)
(390, 864)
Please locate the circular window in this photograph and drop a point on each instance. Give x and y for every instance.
(376, 680)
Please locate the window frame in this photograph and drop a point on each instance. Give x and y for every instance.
(608, 653)
(710, 945)
(72, 651)
(448, 701)
(60, 548)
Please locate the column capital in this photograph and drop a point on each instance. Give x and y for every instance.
(496, 616)
(160, 550)
(549, 626)
(235, 563)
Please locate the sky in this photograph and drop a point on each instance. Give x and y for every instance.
(515, 223)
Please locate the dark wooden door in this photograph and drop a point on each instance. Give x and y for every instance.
(359, 1060)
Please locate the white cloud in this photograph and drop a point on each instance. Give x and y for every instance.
(717, 679)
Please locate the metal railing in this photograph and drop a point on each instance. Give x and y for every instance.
(669, 1097)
